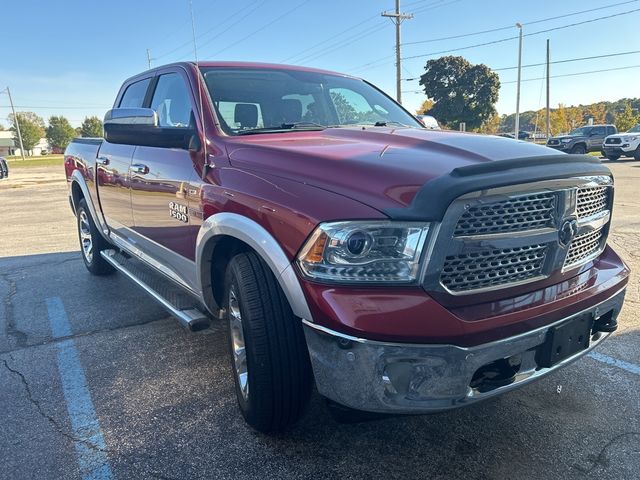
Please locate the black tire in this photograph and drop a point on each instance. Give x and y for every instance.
(636, 154)
(613, 157)
(85, 224)
(278, 370)
(579, 149)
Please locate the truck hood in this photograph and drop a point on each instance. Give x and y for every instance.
(624, 134)
(571, 137)
(379, 166)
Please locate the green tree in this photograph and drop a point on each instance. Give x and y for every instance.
(346, 112)
(59, 132)
(91, 127)
(31, 128)
(626, 119)
(1, 127)
(462, 92)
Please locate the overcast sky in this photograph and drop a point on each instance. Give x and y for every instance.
(70, 57)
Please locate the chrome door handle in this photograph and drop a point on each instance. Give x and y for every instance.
(139, 169)
(103, 160)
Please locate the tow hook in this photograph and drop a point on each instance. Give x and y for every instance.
(605, 323)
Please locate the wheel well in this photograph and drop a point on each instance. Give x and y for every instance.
(76, 194)
(580, 143)
(223, 248)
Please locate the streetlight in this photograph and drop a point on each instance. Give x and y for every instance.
(517, 133)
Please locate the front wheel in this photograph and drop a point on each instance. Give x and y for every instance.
(579, 150)
(91, 242)
(270, 361)
(636, 154)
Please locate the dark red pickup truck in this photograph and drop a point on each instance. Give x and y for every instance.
(400, 269)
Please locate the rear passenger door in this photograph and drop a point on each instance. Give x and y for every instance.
(596, 138)
(161, 179)
(112, 165)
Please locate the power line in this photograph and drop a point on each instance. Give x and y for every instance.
(525, 35)
(54, 107)
(508, 27)
(567, 60)
(575, 74)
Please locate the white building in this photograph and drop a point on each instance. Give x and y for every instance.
(8, 146)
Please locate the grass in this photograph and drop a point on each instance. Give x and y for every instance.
(40, 161)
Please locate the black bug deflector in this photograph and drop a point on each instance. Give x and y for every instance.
(433, 198)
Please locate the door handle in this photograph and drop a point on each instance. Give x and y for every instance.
(139, 169)
(102, 160)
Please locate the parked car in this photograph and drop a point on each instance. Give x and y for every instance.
(522, 135)
(428, 121)
(4, 168)
(623, 144)
(583, 139)
(399, 269)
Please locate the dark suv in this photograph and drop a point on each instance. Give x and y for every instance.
(583, 139)
(4, 168)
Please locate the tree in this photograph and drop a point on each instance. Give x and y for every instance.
(59, 132)
(491, 125)
(558, 120)
(1, 127)
(462, 92)
(626, 119)
(425, 107)
(91, 127)
(597, 111)
(31, 128)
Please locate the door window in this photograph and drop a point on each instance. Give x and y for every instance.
(598, 131)
(171, 101)
(134, 94)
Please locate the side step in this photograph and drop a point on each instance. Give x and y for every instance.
(173, 298)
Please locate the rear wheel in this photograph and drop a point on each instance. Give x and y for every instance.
(270, 361)
(91, 242)
(579, 149)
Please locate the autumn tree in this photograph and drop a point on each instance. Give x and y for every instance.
(91, 127)
(425, 107)
(626, 119)
(31, 129)
(59, 132)
(462, 92)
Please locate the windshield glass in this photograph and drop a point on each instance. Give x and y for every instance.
(635, 129)
(260, 100)
(580, 131)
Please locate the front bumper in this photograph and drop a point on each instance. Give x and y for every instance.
(563, 147)
(412, 378)
(624, 149)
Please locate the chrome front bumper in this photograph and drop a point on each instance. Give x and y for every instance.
(412, 378)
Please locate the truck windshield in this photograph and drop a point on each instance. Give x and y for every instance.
(260, 100)
(579, 132)
(635, 129)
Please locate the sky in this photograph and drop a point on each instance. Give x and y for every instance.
(69, 57)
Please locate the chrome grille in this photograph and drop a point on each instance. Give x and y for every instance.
(526, 212)
(583, 248)
(592, 200)
(477, 270)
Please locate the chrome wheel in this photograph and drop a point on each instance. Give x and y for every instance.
(85, 236)
(237, 343)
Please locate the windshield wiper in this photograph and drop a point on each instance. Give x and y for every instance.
(384, 123)
(283, 127)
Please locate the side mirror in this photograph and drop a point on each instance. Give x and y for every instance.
(139, 126)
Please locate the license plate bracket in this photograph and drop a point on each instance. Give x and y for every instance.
(565, 340)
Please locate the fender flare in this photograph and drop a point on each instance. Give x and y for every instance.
(262, 242)
(76, 177)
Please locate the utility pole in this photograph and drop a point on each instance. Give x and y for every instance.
(517, 132)
(149, 58)
(548, 91)
(397, 18)
(15, 120)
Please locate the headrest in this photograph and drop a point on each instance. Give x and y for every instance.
(291, 110)
(246, 114)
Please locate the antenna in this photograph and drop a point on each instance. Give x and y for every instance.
(199, 75)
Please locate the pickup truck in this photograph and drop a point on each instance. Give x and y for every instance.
(341, 244)
(623, 144)
(583, 140)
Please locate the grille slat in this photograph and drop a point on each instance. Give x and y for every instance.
(592, 200)
(527, 212)
(583, 247)
(472, 271)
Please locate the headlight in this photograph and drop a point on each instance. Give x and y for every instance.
(364, 252)
(565, 140)
(629, 139)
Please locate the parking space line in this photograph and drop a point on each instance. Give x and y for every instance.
(90, 445)
(629, 367)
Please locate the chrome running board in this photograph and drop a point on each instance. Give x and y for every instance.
(175, 300)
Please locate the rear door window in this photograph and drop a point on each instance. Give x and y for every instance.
(134, 94)
(597, 131)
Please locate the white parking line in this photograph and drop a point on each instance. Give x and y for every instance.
(90, 445)
(629, 367)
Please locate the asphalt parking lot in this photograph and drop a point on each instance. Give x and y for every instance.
(164, 402)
